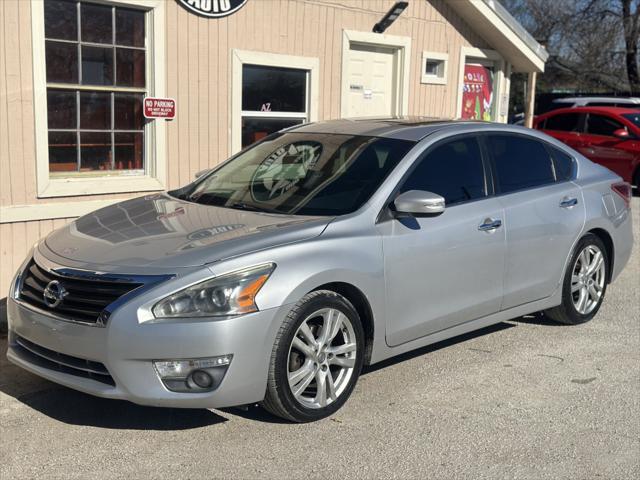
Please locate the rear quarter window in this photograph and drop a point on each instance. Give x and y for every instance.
(519, 162)
(563, 163)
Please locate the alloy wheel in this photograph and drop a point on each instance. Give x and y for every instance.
(321, 358)
(588, 279)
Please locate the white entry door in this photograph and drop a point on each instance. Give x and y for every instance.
(371, 81)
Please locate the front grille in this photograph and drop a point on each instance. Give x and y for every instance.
(85, 300)
(61, 362)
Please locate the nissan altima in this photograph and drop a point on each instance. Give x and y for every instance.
(276, 276)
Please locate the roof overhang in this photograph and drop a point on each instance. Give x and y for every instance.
(490, 20)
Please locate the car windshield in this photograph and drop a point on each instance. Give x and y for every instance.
(301, 174)
(633, 118)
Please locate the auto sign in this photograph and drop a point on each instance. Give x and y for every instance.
(213, 8)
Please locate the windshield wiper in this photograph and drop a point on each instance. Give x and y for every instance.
(249, 208)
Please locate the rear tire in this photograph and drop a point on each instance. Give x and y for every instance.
(316, 358)
(585, 283)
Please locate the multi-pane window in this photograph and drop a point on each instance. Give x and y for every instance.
(273, 98)
(96, 81)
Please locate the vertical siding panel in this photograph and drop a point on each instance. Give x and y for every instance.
(28, 120)
(323, 107)
(14, 108)
(19, 247)
(224, 90)
(173, 138)
(214, 92)
(203, 93)
(5, 163)
(194, 94)
(6, 257)
(183, 97)
(335, 56)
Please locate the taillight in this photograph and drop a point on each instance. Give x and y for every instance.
(624, 190)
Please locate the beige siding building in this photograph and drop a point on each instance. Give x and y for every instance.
(73, 76)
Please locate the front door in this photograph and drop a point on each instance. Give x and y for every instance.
(371, 81)
(445, 270)
(601, 146)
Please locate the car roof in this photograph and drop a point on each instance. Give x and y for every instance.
(402, 128)
(616, 111)
(630, 100)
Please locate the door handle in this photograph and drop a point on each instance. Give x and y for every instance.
(568, 202)
(489, 224)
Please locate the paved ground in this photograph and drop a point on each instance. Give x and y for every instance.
(524, 399)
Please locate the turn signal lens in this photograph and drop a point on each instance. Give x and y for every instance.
(230, 294)
(624, 190)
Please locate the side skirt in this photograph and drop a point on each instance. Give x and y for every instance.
(381, 351)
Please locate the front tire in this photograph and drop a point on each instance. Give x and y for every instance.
(316, 359)
(585, 283)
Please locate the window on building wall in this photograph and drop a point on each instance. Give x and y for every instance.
(96, 80)
(273, 98)
(434, 68)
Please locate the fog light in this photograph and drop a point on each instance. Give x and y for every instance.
(193, 375)
(202, 379)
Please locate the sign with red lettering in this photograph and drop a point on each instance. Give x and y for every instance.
(159, 108)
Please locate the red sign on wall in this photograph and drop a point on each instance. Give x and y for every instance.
(477, 93)
(159, 108)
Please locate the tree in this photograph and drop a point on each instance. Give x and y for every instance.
(593, 44)
(631, 32)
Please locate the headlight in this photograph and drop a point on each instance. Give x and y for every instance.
(230, 294)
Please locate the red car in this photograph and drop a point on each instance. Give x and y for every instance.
(606, 135)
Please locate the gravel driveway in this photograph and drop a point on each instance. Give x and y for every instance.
(523, 399)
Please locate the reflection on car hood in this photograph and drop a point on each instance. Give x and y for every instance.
(162, 231)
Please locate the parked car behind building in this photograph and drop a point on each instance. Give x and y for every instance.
(606, 135)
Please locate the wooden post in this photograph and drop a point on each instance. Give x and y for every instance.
(531, 98)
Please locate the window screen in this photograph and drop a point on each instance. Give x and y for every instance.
(453, 170)
(520, 162)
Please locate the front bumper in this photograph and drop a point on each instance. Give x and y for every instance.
(128, 348)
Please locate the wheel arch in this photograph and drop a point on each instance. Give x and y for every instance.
(603, 235)
(361, 304)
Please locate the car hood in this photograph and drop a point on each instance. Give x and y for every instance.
(162, 231)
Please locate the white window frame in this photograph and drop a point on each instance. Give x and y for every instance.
(434, 79)
(500, 84)
(242, 57)
(154, 177)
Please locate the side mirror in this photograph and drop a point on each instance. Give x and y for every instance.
(201, 173)
(418, 202)
(622, 133)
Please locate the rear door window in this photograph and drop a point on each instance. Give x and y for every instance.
(452, 169)
(601, 125)
(519, 162)
(564, 122)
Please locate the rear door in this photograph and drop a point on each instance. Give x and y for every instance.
(444, 270)
(566, 127)
(543, 214)
(601, 146)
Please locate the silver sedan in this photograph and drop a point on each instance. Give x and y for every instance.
(276, 276)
